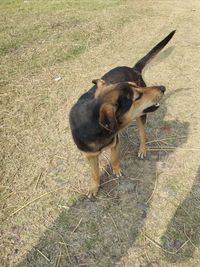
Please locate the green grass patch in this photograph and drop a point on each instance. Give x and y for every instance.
(38, 34)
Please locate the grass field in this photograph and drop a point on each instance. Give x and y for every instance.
(50, 51)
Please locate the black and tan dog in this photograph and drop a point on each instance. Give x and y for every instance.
(116, 99)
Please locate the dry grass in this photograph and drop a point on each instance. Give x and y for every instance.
(50, 51)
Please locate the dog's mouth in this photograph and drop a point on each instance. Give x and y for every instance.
(151, 108)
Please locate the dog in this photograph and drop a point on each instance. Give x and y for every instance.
(108, 107)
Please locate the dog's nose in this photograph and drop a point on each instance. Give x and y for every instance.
(162, 88)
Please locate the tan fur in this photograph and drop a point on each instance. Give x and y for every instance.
(93, 159)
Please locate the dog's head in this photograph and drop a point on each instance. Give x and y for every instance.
(120, 103)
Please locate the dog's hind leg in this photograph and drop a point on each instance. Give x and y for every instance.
(140, 121)
(93, 159)
(115, 158)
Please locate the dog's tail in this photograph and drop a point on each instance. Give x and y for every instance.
(154, 51)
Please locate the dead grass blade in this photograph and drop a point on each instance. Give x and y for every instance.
(108, 161)
(38, 179)
(63, 243)
(109, 181)
(58, 259)
(77, 226)
(163, 249)
(164, 139)
(42, 254)
(155, 185)
(44, 195)
(188, 238)
(115, 225)
(145, 249)
(172, 148)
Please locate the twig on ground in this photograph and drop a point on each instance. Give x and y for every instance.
(112, 190)
(115, 225)
(145, 250)
(12, 193)
(108, 161)
(114, 179)
(189, 238)
(106, 171)
(129, 138)
(35, 199)
(136, 191)
(67, 250)
(163, 249)
(76, 227)
(58, 259)
(165, 143)
(106, 194)
(43, 195)
(171, 148)
(62, 243)
(61, 157)
(42, 254)
(125, 149)
(74, 189)
(155, 185)
(181, 207)
(164, 139)
(135, 179)
(38, 179)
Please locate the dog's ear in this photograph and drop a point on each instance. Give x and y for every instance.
(136, 87)
(99, 82)
(107, 117)
(100, 85)
(132, 84)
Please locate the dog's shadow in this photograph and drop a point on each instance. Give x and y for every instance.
(99, 232)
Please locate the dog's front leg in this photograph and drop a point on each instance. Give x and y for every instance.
(115, 158)
(140, 121)
(95, 178)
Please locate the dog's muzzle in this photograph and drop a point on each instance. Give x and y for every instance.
(151, 108)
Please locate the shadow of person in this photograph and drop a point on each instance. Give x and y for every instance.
(184, 228)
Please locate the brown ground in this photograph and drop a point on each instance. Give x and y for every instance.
(150, 216)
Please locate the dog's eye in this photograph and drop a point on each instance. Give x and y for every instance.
(140, 95)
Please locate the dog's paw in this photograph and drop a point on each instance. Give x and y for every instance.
(117, 172)
(93, 190)
(142, 152)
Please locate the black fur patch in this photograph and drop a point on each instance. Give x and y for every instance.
(125, 101)
(150, 109)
